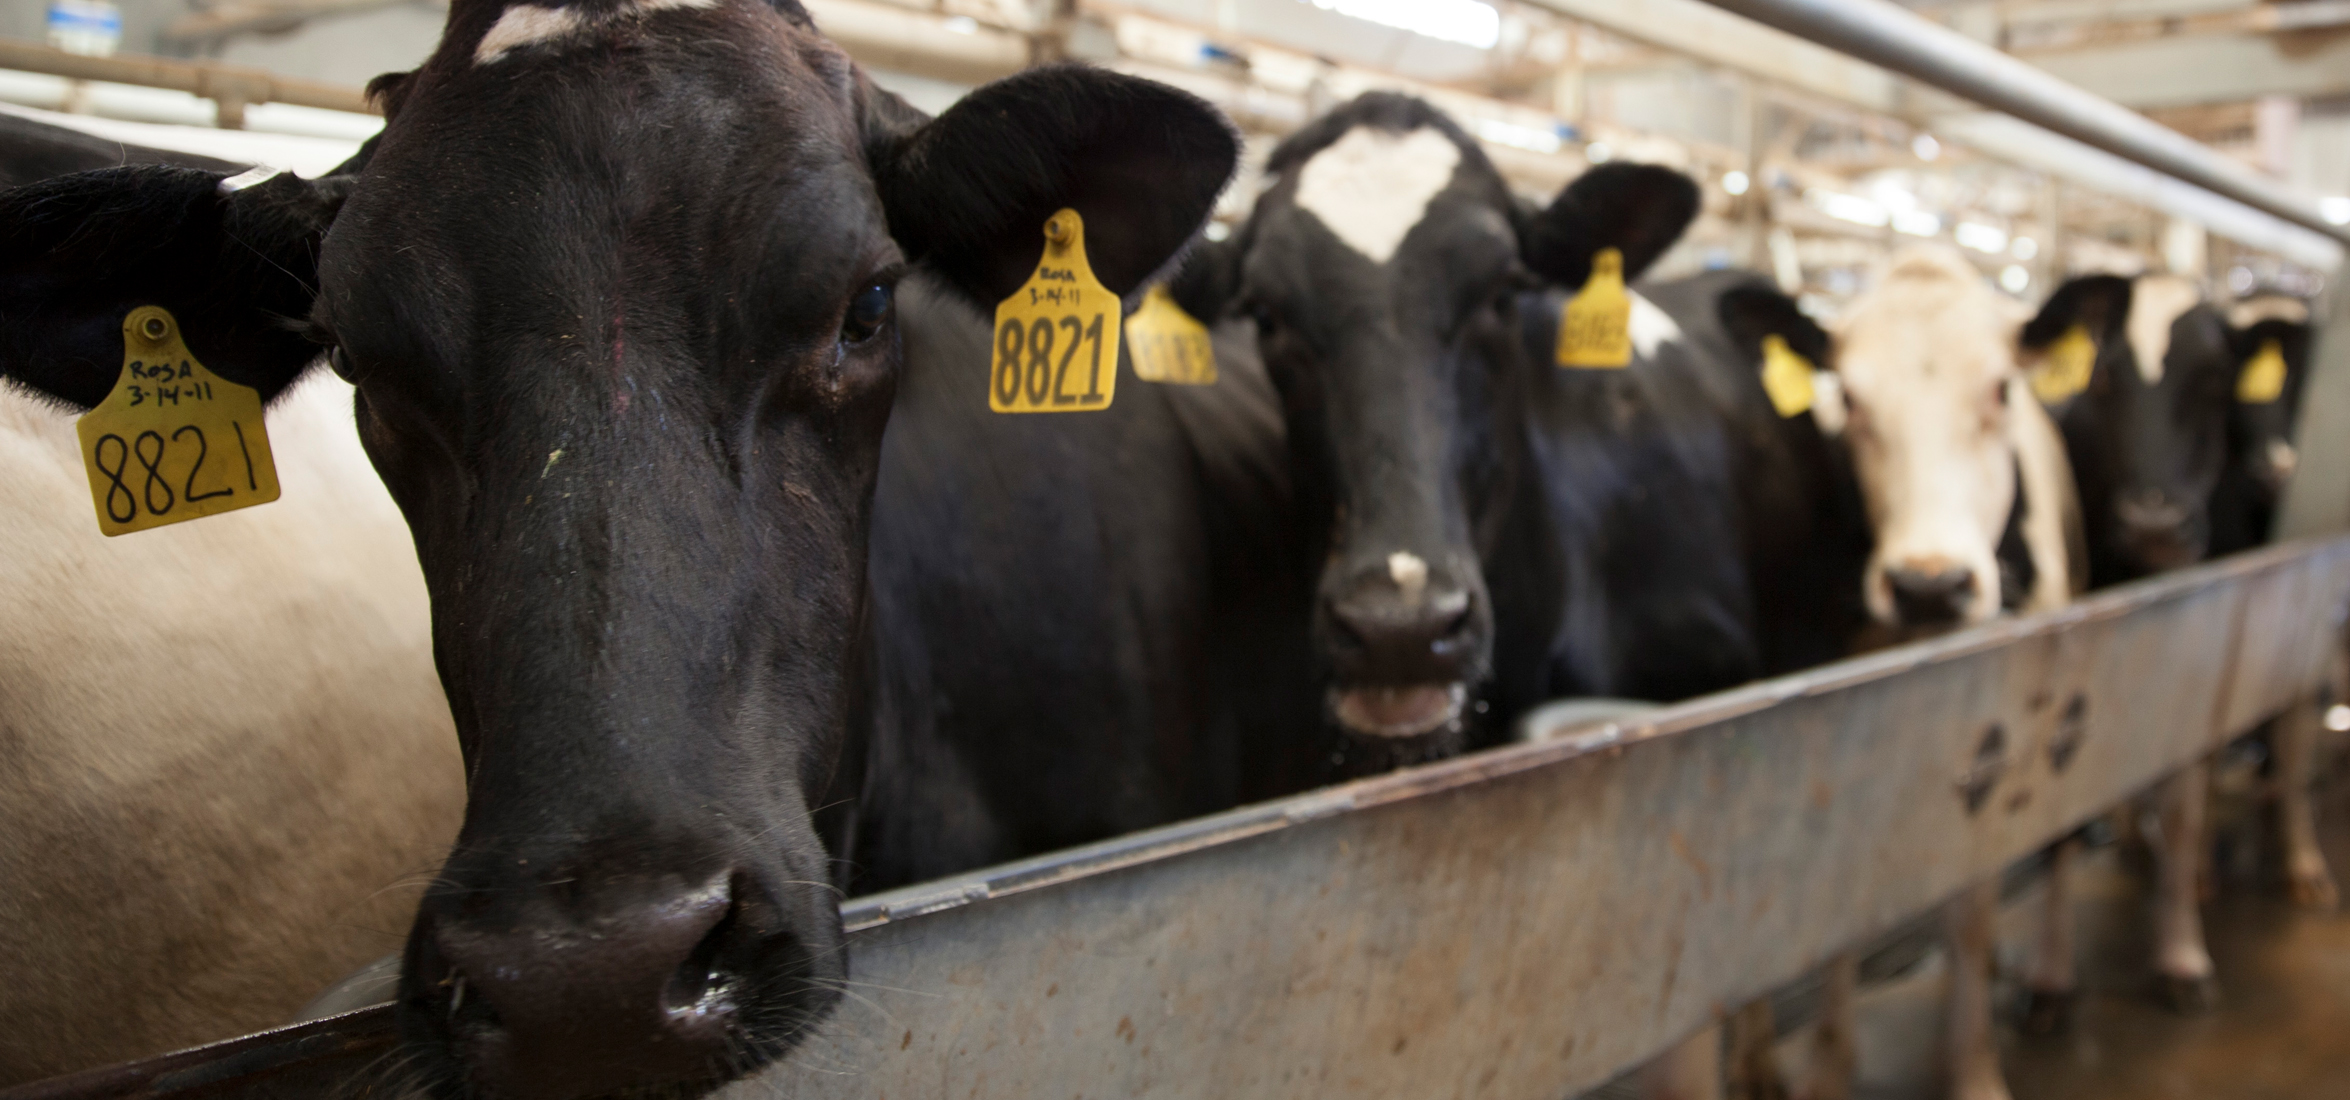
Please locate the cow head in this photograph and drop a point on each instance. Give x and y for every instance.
(1382, 266)
(1927, 370)
(2148, 434)
(616, 290)
(2260, 426)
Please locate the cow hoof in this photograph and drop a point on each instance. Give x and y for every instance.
(2314, 891)
(2188, 996)
(2047, 1011)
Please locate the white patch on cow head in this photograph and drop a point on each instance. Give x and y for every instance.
(1925, 359)
(1372, 186)
(2268, 307)
(523, 25)
(2156, 301)
(1651, 328)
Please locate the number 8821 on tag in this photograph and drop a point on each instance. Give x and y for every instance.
(1056, 338)
(173, 441)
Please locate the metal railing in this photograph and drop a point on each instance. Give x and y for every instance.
(231, 87)
(1883, 34)
(1526, 922)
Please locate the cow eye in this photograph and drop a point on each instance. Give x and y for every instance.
(868, 311)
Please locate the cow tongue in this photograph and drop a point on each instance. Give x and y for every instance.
(1407, 710)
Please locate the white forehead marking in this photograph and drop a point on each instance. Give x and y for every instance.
(1651, 327)
(2155, 302)
(2252, 311)
(528, 24)
(1372, 186)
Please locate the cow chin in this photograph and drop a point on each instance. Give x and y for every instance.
(1398, 712)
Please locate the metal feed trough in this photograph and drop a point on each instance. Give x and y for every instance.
(1526, 922)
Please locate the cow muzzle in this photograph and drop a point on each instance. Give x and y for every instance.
(1405, 641)
(635, 985)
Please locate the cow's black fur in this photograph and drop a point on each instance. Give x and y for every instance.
(1588, 517)
(2145, 457)
(619, 315)
(33, 151)
(2252, 482)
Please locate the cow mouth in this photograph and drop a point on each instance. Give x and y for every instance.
(1399, 711)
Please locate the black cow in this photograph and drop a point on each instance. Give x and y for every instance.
(2261, 451)
(2148, 436)
(33, 151)
(1086, 624)
(617, 287)
(1490, 528)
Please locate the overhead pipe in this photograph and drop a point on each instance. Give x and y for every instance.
(1885, 35)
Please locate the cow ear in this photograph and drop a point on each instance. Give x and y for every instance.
(1752, 311)
(1636, 209)
(237, 269)
(2100, 303)
(968, 193)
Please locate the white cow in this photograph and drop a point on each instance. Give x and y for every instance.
(226, 765)
(1955, 458)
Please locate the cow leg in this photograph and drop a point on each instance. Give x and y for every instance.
(1973, 1050)
(1835, 1056)
(2312, 885)
(2053, 982)
(1691, 1070)
(1753, 1070)
(2182, 966)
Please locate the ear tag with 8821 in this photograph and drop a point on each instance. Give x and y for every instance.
(1595, 326)
(173, 441)
(2263, 379)
(2065, 367)
(1056, 338)
(1169, 345)
(1786, 377)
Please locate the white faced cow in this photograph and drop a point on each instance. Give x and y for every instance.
(1972, 503)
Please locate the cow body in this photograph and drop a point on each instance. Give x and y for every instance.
(1972, 507)
(1084, 624)
(229, 764)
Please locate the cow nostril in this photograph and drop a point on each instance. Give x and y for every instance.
(700, 984)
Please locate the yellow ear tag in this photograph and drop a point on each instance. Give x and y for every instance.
(174, 441)
(1169, 345)
(2065, 365)
(2263, 379)
(1595, 326)
(1056, 338)
(1786, 376)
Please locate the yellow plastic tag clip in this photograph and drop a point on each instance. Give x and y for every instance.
(1786, 376)
(174, 441)
(2065, 366)
(1169, 345)
(1056, 338)
(2263, 379)
(1595, 326)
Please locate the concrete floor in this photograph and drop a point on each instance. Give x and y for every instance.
(2281, 1030)
(2282, 1027)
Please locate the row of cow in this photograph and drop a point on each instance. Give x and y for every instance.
(667, 335)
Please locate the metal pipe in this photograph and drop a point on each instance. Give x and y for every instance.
(233, 86)
(1883, 34)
